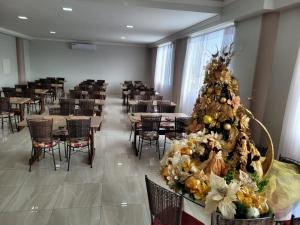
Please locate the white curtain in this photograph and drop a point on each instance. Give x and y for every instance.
(198, 54)
(163, 71)
(289, 145)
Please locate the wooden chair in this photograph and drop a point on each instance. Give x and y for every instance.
(35, 100)
(149, 132)
(6, 113)
(79, 131)
(87, 107)
(67, 106)
(180, 130)
(42, 140)
(165, 206)
(166, 108)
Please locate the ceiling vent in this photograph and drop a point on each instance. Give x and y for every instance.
(83, 46)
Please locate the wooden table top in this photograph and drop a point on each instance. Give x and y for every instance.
(154, 102)
(97, 101)
(59, 85)
(166, 117)
(18, 100)
(60, 121)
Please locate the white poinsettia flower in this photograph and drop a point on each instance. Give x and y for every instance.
(222, 196)
(246, 180)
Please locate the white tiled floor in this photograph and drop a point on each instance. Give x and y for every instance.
(111, 193)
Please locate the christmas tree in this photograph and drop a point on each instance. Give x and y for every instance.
(218, 109)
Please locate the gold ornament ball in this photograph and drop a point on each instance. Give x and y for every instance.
(209, 90)
(223, 100)
(207, 119)
(227, 126)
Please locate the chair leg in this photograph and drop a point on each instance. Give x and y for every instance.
(30, 160)
(10, 123)
(2, 122)
(140, 151)
(44, 152)
(130, 133)
(165, 145)
(53, 158)
(157, 147)
(69, 156)
(59, 151)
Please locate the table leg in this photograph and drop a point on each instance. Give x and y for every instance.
(21, 107)
(136, 151)
(127, 103)
(42, 104)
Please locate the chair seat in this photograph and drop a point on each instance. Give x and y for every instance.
(45, 144)
(6, 114)
(149, 135)
(78, 143)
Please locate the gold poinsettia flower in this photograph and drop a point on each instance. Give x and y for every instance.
(225, 76)
(244, 122)
(198, 185)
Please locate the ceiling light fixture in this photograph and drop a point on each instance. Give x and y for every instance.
(129, 26)
(52, 32)
(123, 38)
(23, 17)
(68, 9)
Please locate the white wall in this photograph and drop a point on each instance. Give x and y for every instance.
(113, 63)
(287, 45)
(244, 61)
(8, 51)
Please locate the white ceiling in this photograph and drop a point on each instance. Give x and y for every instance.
(105, 20)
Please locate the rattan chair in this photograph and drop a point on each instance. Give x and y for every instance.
(156, 97)
(180, 130)
(295, 220)
(258, 221)
(42, 140)
(165, 206)
(149, 132)
(35, 100)
(6, 113)
(67, 106)
(138, 108)
(79, 132)
(87, 107)
(150, 105)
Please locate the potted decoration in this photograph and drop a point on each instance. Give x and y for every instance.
(218, 163)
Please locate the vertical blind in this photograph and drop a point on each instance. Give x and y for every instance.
(163, 70)
(199, 51)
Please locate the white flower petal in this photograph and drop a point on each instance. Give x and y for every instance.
(227, 209)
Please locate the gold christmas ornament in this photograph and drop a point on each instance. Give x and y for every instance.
(223, 100)
(207, 119)
(227, 126)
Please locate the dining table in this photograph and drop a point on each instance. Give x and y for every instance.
(167, 122)
(20, 103)
(60, 123)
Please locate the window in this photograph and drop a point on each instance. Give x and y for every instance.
(199, 51)
(163, 71)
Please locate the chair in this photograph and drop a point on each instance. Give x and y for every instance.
(138, 108)
(156, 97)
(6, 113)
(180, 130)
(87, 107)
(21, 87)
(42, 140)
(9, 92)
(79, 131)
(150, 105)
(34, 99)
(76, 94)
(166, 108)
(258, 221)
(67, 106)
(165, 206)
(149, 132)
(295, 220)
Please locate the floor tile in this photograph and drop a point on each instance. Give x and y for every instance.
(79, 195)
(6, 194)
(80, 175)
(25, 218)
(11, 178)
(75, 216)
(39, 177)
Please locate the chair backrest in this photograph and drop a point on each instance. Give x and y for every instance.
(165, 206)
(67, 106)
(79, 128)
(156, 97)
(295, 220)
(4, 104)
(139, 108)
(181, 124)
(31, 84)
(258, 221)
(166, 108)
(150, 123)
(149, 103)
(87, 107)
(40, 129)
(9, 92)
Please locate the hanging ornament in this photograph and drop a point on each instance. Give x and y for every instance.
(223, 100)
(207, 119)
(227, 126)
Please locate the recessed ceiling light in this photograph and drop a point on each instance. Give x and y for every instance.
(23, 17)
(52, 32)
(68, 9)
(129, 26)
(123, 38)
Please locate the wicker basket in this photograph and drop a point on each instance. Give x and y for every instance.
(258, 221)
(269, 157)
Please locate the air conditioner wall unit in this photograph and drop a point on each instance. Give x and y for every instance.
(83, 46)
